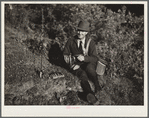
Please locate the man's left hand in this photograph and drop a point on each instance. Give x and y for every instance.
(80, 58)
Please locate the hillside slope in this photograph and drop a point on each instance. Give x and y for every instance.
(23, 86)
(22, 82)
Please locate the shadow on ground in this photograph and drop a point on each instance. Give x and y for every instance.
(55, 56)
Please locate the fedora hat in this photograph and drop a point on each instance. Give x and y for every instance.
(83, 25)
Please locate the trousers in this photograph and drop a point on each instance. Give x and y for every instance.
(87, 71)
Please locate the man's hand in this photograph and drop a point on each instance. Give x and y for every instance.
(76, 67)
(66, 58)
(80, 58)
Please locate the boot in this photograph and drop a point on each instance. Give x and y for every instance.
(91, 98)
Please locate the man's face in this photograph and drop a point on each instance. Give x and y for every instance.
(81, 34)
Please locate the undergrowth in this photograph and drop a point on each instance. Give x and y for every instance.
(120, 41)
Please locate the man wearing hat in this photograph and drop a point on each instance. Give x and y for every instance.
(83, 66)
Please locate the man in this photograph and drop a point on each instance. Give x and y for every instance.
(83, 66)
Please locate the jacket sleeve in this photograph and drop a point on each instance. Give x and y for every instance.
(92, 53)
(66, 54)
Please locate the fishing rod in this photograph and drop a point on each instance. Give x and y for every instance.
(41, 39)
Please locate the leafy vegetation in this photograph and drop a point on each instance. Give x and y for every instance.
(120, 41)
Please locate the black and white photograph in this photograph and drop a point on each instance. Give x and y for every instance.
(73, 55)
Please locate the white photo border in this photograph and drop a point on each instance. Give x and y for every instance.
(77, 111)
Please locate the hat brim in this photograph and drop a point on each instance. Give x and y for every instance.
(78, 28)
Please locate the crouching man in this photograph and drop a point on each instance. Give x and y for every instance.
(81, 64)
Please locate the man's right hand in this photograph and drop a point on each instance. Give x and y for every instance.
(66, 58)
(80, 58)
(70, 60)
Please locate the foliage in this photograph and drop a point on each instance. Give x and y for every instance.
(123, 45)
(119, 35)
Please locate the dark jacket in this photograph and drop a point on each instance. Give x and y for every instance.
(72, 48)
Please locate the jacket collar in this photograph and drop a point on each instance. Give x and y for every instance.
(76, 38)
